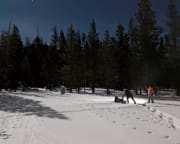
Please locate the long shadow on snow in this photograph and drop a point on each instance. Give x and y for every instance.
(28, 94)
(17, 104)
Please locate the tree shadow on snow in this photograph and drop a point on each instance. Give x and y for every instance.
(15, 104)
(29, 94)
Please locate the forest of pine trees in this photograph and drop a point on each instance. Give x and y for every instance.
(144, 54)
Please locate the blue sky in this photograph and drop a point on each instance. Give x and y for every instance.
(46, 14)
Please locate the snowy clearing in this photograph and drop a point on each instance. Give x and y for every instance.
(46, 117)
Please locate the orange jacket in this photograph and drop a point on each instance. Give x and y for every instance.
(150, 90)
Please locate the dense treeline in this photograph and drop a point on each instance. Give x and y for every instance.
(145, 54)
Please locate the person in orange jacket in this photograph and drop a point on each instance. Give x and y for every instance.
(150, 92)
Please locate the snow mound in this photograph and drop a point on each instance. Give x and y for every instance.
(173, 121)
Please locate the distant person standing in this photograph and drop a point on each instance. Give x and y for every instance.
(129, 95)
(62, 89)
(155, 91)
(150, 92)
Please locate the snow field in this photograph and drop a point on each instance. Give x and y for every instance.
(47, 117)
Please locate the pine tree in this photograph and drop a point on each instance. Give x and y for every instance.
(77, 62)
(4, 60)
(173, 25)
(63, 46)
(148, 41)
(55, 38)
(52, 62)
(162, 52)
(108, 64)
(164, 79)
(93, 52)
(123, 57)
(173, 36)
(133, 36)
(85, 60)
(67, 70)
(15, 56)
(35, 58)
(25, 72)
(136, 54)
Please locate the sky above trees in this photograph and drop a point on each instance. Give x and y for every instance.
(29, 15)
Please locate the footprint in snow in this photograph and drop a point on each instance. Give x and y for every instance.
(167, 137)
(5, 138)
(114, 121)
(155, 122)
(153, 110)
(149, 132)
(173, 126)
(171, 122)
(3, 132)
(161, 115)
(124, 124)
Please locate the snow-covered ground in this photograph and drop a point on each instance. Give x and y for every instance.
(46, 117)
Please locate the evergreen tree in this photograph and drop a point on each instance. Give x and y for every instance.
(4, 60)
(51, 61)
(25, 72)
(35, 58)
(133, 36)
(173, 25)
(164, 79)
(162, 51)
(77, 62)
(123, 57)
(136, 54)
(67, 70)
(93, 52)
(55, 39)
(173, 44)
(85, 60)
(108, 64)
(62, 55)
(148, 41)
(15, 56)
(63, 45)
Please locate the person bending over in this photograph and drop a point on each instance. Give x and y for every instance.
(128, 95)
